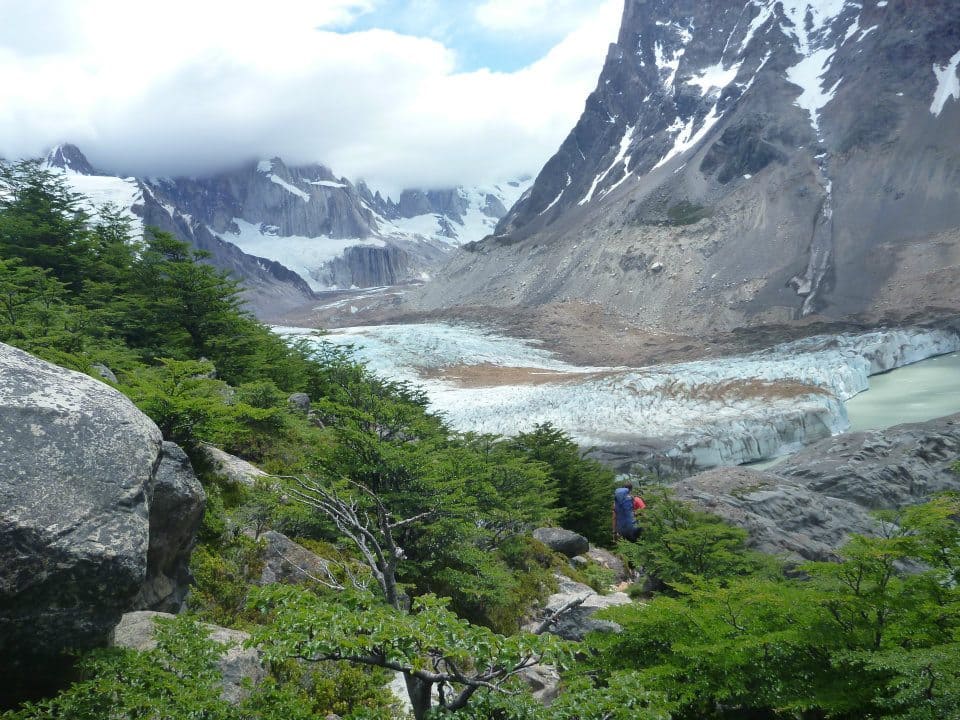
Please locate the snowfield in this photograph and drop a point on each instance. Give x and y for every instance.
(723, 411)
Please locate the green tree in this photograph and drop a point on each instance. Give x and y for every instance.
(584, 487)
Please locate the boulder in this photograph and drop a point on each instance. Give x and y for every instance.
(543, 681)
(176, 511)
(285, 561)
(575, 623)
(79, 467)
(607, 559)
(806, 508)
(230, 467)
(103, 371)
(562, 541)
(300, 402)
(237, 663)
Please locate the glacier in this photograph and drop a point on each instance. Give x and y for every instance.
(693, 415)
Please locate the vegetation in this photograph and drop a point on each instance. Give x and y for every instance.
(426, 531)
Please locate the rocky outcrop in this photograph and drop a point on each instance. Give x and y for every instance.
(743, 163)
(285, 561)
(609, 561)
(177, 502)
(238, 665)
(231, 468)
(562, 541)
(806, 507)
(80, 479)
(575, 623)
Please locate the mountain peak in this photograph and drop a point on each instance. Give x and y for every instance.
(69, 158)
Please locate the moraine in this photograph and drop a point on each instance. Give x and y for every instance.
(694, 415)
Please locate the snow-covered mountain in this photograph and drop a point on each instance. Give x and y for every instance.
(746, 161)
(287, 232)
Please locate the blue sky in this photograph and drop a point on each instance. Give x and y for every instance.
(400, 93)
(475, 44)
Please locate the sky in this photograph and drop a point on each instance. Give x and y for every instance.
(400, 93)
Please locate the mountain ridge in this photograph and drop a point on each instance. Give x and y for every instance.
(742, 163)
(289, 232)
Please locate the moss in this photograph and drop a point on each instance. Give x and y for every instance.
(687, 213)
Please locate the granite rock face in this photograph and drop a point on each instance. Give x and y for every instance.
(807, 507)
(84, 483)
(176, 510)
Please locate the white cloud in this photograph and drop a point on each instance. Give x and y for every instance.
(184, 87)
(545, 16)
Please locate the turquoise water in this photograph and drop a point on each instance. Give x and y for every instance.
(918, 392)
(914, 393)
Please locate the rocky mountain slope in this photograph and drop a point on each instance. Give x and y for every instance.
(287, 232)
(746, 161)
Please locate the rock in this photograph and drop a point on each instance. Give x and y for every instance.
(231, 468)
(300, 402)
(579, 561)
(607, 559)
(285, 561)
(176, 511)
(78, 463)
(104, 372)
(562, 541)
(807, 507)
(237, 664)
(543, 681)
(577, 622)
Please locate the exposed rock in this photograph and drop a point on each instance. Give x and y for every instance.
(231, 468)
(608, 560)
(300, 402)
(806, 507)
(237, 664)
(543, 681)
(176, 511)
(78, 463)
(780, 159)
(574, 624)
(104, 372)
(562, 541)
(285, 561)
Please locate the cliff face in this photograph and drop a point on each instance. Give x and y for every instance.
(742, 162)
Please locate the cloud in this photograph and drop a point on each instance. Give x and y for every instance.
(543, 16)
(187, 87)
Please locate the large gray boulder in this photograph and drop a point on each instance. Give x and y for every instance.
(807, 507)
(79, 467)
(285, 561)
(562, 541)
(231, 468)
(237, 663)
(176, 511)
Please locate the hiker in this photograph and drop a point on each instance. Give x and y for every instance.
(624, 506)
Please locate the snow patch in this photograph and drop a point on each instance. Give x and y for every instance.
(948, 84)
(328, 183)
(288, 187)
(99, 190)
(621, 157)
(714, 77)
(810, 25)
(306, 256)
